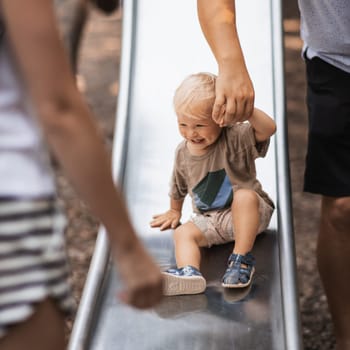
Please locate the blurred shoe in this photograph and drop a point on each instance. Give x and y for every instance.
(178, 306)
(182, 281)
(235, 295)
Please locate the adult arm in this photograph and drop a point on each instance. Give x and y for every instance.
(75, 139)
(234, 89)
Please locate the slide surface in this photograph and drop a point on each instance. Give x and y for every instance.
(163, 43)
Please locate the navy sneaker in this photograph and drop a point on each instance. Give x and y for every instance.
(240, 271)
(182, 281)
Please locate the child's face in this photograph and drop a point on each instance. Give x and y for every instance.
(199, 133)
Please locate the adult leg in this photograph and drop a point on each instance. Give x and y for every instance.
(43, 330)
(333, 257)
(188, 240)
(245, 215)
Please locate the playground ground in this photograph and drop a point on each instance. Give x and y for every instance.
(98, 79)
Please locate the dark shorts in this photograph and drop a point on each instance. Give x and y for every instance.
(328, 156)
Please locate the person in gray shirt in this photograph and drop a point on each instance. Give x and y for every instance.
(325, 30)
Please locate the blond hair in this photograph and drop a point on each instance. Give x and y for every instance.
(195, 96)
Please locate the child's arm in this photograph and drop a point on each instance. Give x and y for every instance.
(263, 125)
(169, 219)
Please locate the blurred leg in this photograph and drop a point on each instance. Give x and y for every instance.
(42, 331)
(333, 254)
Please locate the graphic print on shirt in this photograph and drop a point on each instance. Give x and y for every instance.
(213, 192)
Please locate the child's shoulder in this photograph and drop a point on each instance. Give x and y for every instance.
(180, 149)
(181, 146)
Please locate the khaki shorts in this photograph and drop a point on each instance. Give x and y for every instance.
(217, 225)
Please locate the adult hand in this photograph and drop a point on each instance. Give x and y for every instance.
(234, 97)
(141, 276)
(234, 89)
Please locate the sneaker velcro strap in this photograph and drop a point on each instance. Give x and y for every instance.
(247, 259)
(190, 271)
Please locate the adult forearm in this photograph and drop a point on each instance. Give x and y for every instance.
(218, 23)
(234, 100)
(63, 114)
(75, 139)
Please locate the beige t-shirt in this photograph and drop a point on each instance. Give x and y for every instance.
(211, 179)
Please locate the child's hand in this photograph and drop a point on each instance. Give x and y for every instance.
(169, 219)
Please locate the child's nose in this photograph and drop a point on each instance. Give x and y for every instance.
(194, 132)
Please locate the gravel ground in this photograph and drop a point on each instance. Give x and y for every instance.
(98, 76)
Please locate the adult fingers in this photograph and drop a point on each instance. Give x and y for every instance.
(144, 296)
(240, 107)
(249, 107)
(230, 112)
(218, 108)
(245, 107)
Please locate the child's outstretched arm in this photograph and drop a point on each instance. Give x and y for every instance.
(264, 126)
(169, 219)
(75, 139)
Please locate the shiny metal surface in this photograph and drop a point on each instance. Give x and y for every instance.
(162, 43)
(292, 322)
(237, 319)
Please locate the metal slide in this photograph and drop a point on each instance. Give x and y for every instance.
(162, 43)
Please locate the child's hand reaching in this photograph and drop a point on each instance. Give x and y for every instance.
(169, 219)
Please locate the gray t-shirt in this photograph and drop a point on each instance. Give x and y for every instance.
(212, 178)
(325, 30)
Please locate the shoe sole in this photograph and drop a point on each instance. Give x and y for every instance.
(240, 285)
(182, 285)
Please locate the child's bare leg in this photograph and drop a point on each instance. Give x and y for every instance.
(188, 238)
(35, 334)
(186, 278)
(245, 215)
